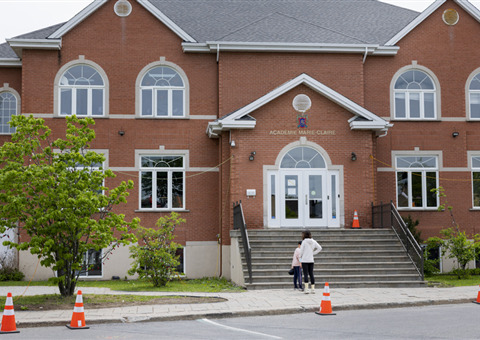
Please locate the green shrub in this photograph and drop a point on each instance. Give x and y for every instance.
(11, 274)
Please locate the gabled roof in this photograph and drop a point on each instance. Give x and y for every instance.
(466, 5)
(241, 119)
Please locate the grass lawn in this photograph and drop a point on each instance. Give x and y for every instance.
(211, 285)
(448, 280)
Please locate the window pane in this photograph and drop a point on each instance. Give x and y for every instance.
(291, 197)
(402, 189)
(429, 105)
(162, 190)
(146, 179)
(476, 189)
(146, 102)
(177, 103)
(334, 197)
(177, 189)
(162, 161)
(272, 197)
(97, 102)
(82, 99)
(417, 192)
(414, 105)
(475, 105)
(476, 162)
(315, 196)
(66, 102)
(162, 103)
(431, 184)
(8, 108)
(400, 110)
(475, 84)
(94, 262)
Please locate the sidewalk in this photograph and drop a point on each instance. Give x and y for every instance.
(248, 303)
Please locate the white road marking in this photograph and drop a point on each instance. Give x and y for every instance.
(238, 329)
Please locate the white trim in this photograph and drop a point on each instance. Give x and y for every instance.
(233, 120)
(166, 21)
(17, 45)
(82, 15)
(10, 62)
(233, 46)
(467, 6)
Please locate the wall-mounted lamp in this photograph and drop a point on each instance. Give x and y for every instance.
(455, 134)
(353, 157)
(232, 143)
(252, 155)
(121, 132)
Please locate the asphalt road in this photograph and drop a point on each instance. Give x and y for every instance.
(461, 321)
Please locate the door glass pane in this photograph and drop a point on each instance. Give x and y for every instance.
(272, 197)
(315, 193)
(334, 196)
(417, 193)
(402, 189)
(291, 197)
(162, 103)
(177, 190)
(162, 190)
(82, 100)
(414, 105)
(431, 184)
(476, 189)
(146, 189)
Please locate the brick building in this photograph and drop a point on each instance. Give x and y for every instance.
(303, 110)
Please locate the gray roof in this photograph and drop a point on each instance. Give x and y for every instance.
(288, 21)
(275, 21)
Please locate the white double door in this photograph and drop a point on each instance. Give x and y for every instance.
(309, 198)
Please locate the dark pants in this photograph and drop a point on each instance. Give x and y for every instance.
(297, 277)
(308, 271)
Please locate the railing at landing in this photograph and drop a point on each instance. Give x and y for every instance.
(387, 216)
(239, 223)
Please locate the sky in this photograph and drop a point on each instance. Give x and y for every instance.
(22, 16)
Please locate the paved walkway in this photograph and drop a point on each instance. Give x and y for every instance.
(256, 302)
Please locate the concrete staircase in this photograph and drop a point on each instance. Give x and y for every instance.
(359, 258)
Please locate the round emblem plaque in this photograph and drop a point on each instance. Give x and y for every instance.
(450, 17)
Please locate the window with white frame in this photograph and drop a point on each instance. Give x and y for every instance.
(92, 264)
(8, 108)
(89, 170)
(476, 181)
(415, 96)
(416, 177)
(162, 182)
(474, 97)
(162, 93)
(81, 92)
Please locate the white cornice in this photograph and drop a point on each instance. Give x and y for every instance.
(166, 20)
(82, 15)
(233, 121)
(10, 62)
(17, 45)
(229, 46)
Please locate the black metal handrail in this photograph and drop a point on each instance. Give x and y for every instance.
(239, 223)
(387, 216)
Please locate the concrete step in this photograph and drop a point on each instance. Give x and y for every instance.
(340, 278)
(319, 285)
(335, 265)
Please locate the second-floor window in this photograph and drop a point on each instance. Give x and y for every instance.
(8, 108)
(82, 92)
(415, 96)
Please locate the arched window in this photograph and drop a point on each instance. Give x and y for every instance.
(8, 108)
(81, 92)
(474, 97)
(162, 93)
(415, 96)
(302, 158)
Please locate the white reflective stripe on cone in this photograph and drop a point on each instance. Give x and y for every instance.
(326, 298)
(78, 309)
(8, 312)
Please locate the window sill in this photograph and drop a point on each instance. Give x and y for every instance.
(419, 209)
(474, 209)
(157, 118)
(416, 120)
(162, 211)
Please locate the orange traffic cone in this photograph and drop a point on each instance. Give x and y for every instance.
(326, 304)
(78, 317)
(8, 319)
(478, 296)
(355, 224)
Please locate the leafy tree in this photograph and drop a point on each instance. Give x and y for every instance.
(156, 258)
(51, 190)
(412, 226)
(454, 241)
